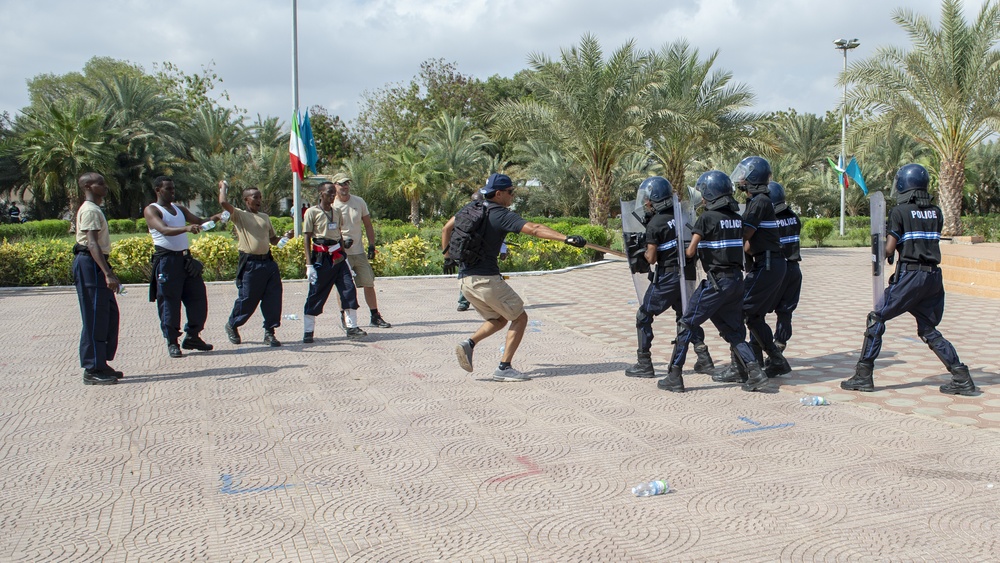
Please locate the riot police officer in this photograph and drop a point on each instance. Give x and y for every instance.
(765, 270)
(789, 230)
(717, 238)
(665, 290)
(914, 230)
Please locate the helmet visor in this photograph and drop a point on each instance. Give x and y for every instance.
(740, 173)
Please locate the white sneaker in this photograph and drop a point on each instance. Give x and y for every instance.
(509, 374)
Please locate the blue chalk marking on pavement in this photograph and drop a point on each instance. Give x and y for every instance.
(230, 486)
(748, 421)
(759, 428)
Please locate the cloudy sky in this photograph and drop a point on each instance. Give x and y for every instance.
(782, 49)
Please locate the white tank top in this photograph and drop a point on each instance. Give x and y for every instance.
(175, 242)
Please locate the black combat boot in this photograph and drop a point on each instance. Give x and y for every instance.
(734, 373)
(862, 380)
(704, 364)
(674, 381)
(756, 380)
(270, 339)
(643, 367)
(777, 364)
(961, 382)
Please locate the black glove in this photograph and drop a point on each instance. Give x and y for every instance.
(347, 242)
(890, 258)
(450, 266)
(193, 267)
(576, 240)
(371, 251)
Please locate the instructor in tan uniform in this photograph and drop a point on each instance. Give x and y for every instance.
(258, 279)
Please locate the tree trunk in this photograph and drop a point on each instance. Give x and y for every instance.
(415, 211)
(952, 178)
(600, 202)
(73, 194)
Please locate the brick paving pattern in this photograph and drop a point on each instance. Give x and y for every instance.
(385, 450)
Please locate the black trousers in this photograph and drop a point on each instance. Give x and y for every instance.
(788, 300)
(175, 287)
(259, 283)
(722, 304)
(762, 288)
(330, 275)
(664, 293)
(99, 310)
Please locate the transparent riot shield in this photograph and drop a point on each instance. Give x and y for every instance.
(878, 248)
(634, 235)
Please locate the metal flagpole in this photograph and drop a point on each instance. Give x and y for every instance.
(844, 45)
(296, 183)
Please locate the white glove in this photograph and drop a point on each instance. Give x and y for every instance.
(311, 274)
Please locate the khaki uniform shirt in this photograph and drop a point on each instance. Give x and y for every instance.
(322, 224)
(91, 218)
(253, 231)
(353, 211)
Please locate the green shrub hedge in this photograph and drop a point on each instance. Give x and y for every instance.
(48, 228)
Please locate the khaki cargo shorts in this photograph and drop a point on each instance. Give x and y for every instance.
(492, 297)
(363, 274)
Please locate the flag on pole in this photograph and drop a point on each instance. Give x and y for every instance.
(296, 150)
(309, 143)
(841, 174)
(854, 171)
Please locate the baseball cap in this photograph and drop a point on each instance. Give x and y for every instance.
(340, 178)
(496, 182)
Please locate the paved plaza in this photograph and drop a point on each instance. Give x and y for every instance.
(385, 450)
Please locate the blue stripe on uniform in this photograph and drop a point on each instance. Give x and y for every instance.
(768, 224)
(789, 240)
(729, 243)
(667, 245)
(925, 235)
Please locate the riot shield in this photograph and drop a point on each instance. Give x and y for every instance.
(680, 226)
(877, 203)
(634, 235)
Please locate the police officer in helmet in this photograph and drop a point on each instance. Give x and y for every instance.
(913, 230)
(665, 290)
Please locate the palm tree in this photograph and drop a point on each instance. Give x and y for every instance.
(593, 110)
(944, 92)
(461, 149)
(414, 175)
(60, 144)
(697, 110)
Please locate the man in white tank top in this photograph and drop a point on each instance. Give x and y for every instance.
(176, 275)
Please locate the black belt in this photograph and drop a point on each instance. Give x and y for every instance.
(82, 249)
(674, 269)
(726, 273)
(913, 266)
(764, 257)
(159, 251)
(325, 241)
(256, 257)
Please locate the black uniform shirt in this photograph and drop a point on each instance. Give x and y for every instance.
(500, 222)
(760, 216)
(789, 229)
(918, 232)
(661, 231)
(721, 244)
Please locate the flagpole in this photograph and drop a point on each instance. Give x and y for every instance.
(296, 184)
(844, 45)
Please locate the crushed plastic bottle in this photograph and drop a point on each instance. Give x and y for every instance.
(225, 216)
(814, 401)
(282, 242)
(208, 225)
(290, 317)
(651, 488)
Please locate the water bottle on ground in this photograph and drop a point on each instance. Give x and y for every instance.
(290, 317)
(651, 488)
(208, 225)
(282, 242)
(814, 401)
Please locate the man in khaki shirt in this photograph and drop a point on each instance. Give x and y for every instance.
(96, 285)
(258, 278)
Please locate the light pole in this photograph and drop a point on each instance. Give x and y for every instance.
(844, 45)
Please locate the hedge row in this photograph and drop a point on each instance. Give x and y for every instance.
(48, 228)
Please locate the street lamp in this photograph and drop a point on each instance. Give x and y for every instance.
(844, 45)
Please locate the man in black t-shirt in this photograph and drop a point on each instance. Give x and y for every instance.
(789, 228)
(484, 286)
(765, 270)
(665, 290)
(717, 237)
(914, 229)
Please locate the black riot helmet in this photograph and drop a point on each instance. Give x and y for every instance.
(912, 177)
(752, 174)
(716, 188)
(777, 193)
(658, 191)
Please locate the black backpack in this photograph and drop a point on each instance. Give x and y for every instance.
(468, 240)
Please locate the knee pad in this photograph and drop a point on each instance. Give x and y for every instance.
(642, 318)
(876, 326)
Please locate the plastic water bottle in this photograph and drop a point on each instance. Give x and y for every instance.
(290, 317)
(814, 401)
(282, 242)
(651, 488)
(122, 290)
(208, 225)
(225, 216)
(502, 348)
